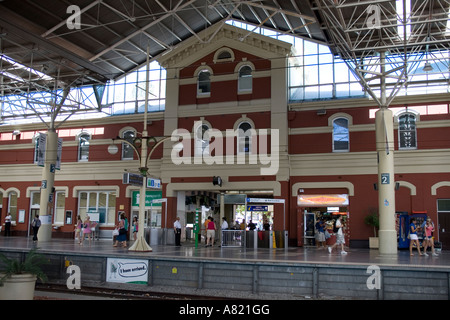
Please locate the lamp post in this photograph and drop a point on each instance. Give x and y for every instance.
(143, 143)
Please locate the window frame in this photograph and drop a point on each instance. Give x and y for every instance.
(334, 134)
(206, 82)
(402, 131)
(80, 147)
(242, 78)
(201, 146)
(125, 146)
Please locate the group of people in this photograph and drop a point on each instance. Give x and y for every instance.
(428, 229)
(428, 241)
(322, 234)
(85, 228)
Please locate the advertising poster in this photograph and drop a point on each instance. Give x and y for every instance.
(127, 271)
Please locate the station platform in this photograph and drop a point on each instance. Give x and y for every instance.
(254, 273)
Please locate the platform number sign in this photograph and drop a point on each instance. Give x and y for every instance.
(385, 178)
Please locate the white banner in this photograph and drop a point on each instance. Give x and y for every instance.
(127, 271)
(42, 140)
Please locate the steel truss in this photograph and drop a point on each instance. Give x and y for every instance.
(387, 42)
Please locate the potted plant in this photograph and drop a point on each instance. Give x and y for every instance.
(18, 278)
(373, 220)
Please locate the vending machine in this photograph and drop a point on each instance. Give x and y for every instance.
(403, 229)
(403, 222)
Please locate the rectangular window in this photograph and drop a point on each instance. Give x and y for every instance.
(407, 131)
(102, 202)
(12, 205)
(443, 205)
(341, 137)
(60, 204)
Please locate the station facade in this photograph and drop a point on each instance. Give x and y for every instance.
(228, 113)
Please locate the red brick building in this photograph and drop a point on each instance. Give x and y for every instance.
(238, 81)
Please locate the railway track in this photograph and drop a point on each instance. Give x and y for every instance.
(108, 293)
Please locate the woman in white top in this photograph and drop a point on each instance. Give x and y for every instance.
(8, 225)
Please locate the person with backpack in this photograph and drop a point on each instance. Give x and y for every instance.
(36, 223)
(338, 225)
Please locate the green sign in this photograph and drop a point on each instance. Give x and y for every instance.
(149, 196)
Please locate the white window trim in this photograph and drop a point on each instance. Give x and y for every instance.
(121, 132)
(332, 133)
(77, 139)
(396, 120)
(197, 72)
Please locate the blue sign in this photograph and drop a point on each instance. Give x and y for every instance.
(257, 208)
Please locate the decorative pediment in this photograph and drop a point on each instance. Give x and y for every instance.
(221, 35)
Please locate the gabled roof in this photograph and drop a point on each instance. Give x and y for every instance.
(218, 36)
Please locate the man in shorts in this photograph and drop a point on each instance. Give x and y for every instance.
(339, 236)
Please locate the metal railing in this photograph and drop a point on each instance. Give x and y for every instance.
(233, 238)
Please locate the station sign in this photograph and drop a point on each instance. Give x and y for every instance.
(150, 195)
(137, 179)
(322, 200)
(153, 183)
(264, 200)
(132, 178)
(257, 208)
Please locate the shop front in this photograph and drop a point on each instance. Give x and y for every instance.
(154, 233)
(316, 207)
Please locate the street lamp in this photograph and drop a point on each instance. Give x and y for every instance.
(144, 143)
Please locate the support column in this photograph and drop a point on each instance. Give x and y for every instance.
(47, 186)
(386, 183)
(384, 128)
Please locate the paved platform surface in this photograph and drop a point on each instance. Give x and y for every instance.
(292, 255)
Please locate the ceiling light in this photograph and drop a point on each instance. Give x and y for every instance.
(427, 67)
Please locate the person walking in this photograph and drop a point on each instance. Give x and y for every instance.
(8, 225)
(78, 228)
(210, 233)
(177, 230)
(36, 223)
(340, 239)
(135, 225)
(428, 237)
(320, 236)
(224, 235)
(413, 238)
(86, 230)
(122, 237)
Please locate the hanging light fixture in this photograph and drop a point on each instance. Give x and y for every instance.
(427, 67)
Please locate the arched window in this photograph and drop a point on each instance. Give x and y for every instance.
(204, 82)
(201, 144)
(407, 131)
(341, 135)
(12, 205)
(245, 79)
(245, 138)
(83, 146)
(223, 55)
(127, 150)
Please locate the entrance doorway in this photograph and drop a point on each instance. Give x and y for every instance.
(444, 229)
(443, 209)
(33, 213)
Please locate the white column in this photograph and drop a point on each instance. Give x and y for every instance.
(48, 181)
(386, 182)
